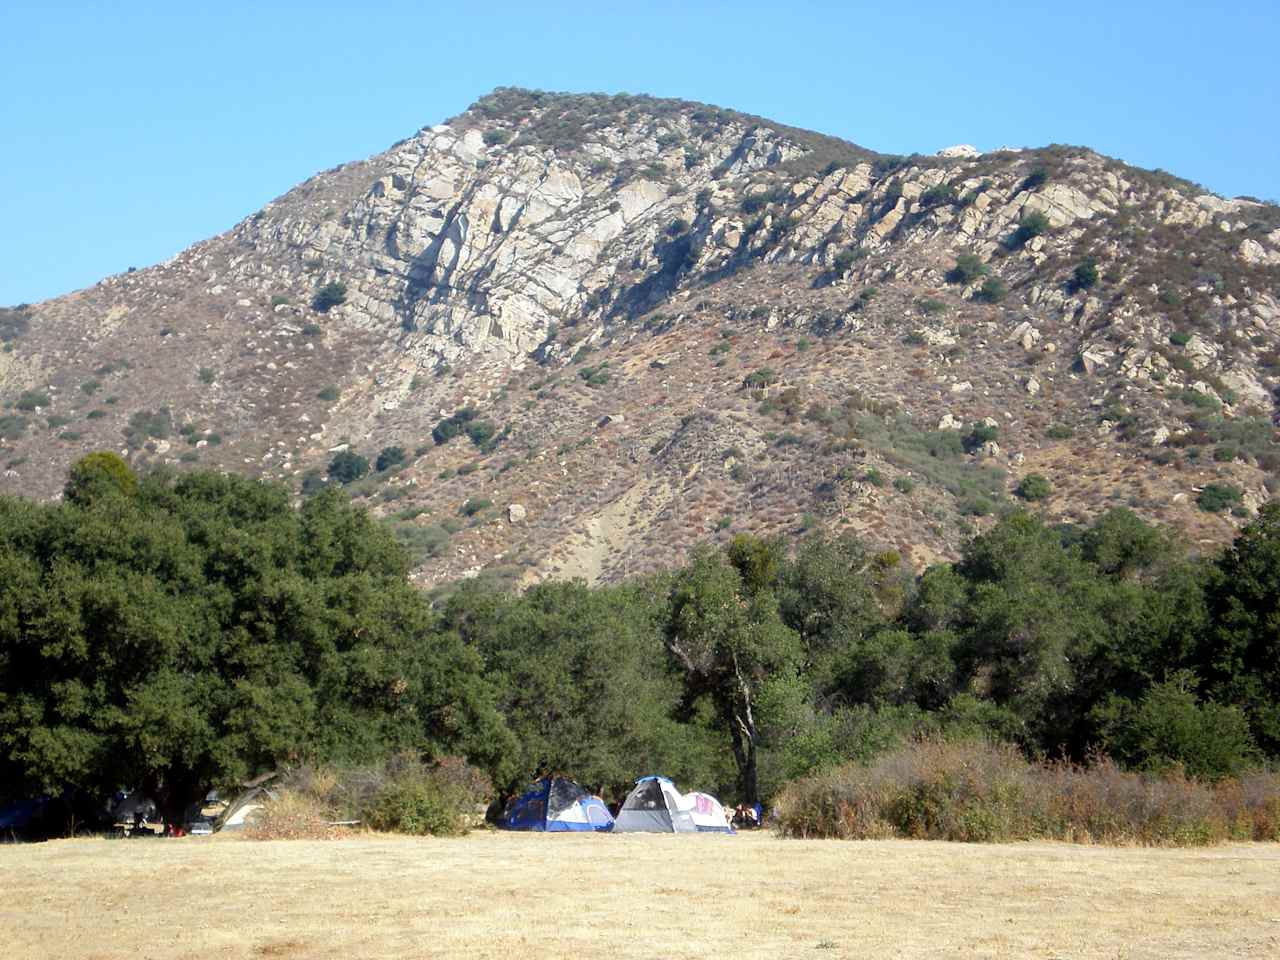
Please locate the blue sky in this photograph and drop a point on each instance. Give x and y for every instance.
(132, 130)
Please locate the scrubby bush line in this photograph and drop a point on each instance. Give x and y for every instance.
(979, 792)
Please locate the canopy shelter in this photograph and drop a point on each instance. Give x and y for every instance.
(556, 805)
(656, 806)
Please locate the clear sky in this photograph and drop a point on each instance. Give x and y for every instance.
(131, 130)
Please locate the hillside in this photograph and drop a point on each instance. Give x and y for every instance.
(600, 329)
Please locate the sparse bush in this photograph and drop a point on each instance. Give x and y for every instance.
(90, 387)
(904, 485)
(494, 138)
(758, 379)
(1038, 177)
(207, 375)
(874, 477)
(1059, 431)
(931, 305)
(1179, 338)
(327, 394)
(150, 424)
(475, 505)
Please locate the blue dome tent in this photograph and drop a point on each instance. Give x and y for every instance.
(557, 805)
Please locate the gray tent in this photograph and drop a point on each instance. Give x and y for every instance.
(656, 806)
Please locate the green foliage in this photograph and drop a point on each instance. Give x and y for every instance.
(1032, 225)
(1180, 338)
(874, 477)
(203, 630)
(496, 137)
(1169, 728)
(1037, 178)
(12, 426)
(904, 485)
(97, 475)
(1059, 431)
(1216, 497)
(482, 433)
(979, 434)
(90, 387)
(207, 375)
(30, 400)
(1085, 276)
(148, 424)
(347, 467)
(327, 394)
(969, 267)
(475, 505)
(330, 295)
(390, 457)
(993, 290)
(760, 378)
(1034, 486)
(14, 323)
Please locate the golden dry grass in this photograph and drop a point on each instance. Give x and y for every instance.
(503, 895)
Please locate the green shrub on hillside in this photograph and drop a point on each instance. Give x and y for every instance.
(30, 400)
(1032, 225)
(1216, 497)
(347, 467)
(993, 290)
(1034, 486)
(329, 296)
(968, 268)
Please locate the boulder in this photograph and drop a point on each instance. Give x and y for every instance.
(516, 513)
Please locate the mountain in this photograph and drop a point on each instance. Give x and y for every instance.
(599, 329)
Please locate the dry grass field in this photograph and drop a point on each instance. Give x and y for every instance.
(502, 895)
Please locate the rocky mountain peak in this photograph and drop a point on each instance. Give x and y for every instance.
(587, 272)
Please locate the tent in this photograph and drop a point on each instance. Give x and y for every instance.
(655, 805)
(556, 805)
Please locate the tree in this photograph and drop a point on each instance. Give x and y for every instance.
(1241, 655)
(1170, 727)
(724, 631)
(203, 630)
(99, 474)
(583, 681)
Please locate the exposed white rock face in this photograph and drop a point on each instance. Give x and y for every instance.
(516, 513)
(962, 150)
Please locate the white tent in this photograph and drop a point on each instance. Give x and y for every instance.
(656, 806)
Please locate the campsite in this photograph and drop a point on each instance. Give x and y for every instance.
(500, 894)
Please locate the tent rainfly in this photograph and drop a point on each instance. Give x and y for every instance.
(655, 805)
(556, 805)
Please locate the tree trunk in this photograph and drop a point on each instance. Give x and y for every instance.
(742, 724)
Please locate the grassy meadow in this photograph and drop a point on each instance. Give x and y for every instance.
(493, 895)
